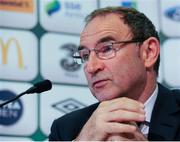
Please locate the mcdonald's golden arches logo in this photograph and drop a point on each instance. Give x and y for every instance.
(5, 47)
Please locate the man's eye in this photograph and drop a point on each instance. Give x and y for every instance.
(85, 57)
(106, 49)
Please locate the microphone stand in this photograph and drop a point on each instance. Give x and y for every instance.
(37, 88)
(11, 100)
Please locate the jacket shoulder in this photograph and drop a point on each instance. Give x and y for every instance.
(176, 93)
(68, 126)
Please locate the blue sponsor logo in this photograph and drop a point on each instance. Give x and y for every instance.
(12, 112)
(129, 3)
(173, 13)
(70, 8)
(73, 9)
(53, 7)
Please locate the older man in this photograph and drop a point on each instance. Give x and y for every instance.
(120, 48)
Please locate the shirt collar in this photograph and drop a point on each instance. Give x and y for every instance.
(149, 104)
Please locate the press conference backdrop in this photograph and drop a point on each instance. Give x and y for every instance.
(36, 42)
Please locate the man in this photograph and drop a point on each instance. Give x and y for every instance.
(119, 48)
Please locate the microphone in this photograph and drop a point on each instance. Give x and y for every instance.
(39, 87)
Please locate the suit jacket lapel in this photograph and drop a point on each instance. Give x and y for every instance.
(164, 121)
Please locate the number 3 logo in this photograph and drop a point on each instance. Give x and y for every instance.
(68, 63)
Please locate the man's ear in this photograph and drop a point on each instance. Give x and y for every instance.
(150, 51)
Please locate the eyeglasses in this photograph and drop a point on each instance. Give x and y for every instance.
(104, 51)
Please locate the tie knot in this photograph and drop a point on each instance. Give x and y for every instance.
(143, 123)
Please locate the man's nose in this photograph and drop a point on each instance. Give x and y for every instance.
(94, 64)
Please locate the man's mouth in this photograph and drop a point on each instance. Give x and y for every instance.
(100, 83)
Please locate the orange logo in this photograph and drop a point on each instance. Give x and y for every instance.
(17, 5)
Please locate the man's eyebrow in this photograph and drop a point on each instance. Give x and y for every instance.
(105, 39)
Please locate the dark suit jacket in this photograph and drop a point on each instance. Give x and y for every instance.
(164, 125)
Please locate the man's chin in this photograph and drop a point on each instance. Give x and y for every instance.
(104, 97)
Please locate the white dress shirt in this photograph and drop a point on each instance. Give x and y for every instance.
(149, 104)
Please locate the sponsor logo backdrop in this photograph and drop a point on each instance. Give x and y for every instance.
(37, 38)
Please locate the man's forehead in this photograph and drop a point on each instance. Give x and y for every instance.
(98, 35)
(107, 22)
(102, 31)
(104, 27)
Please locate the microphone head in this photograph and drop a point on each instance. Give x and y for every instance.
(42, 86)
(39, 87)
